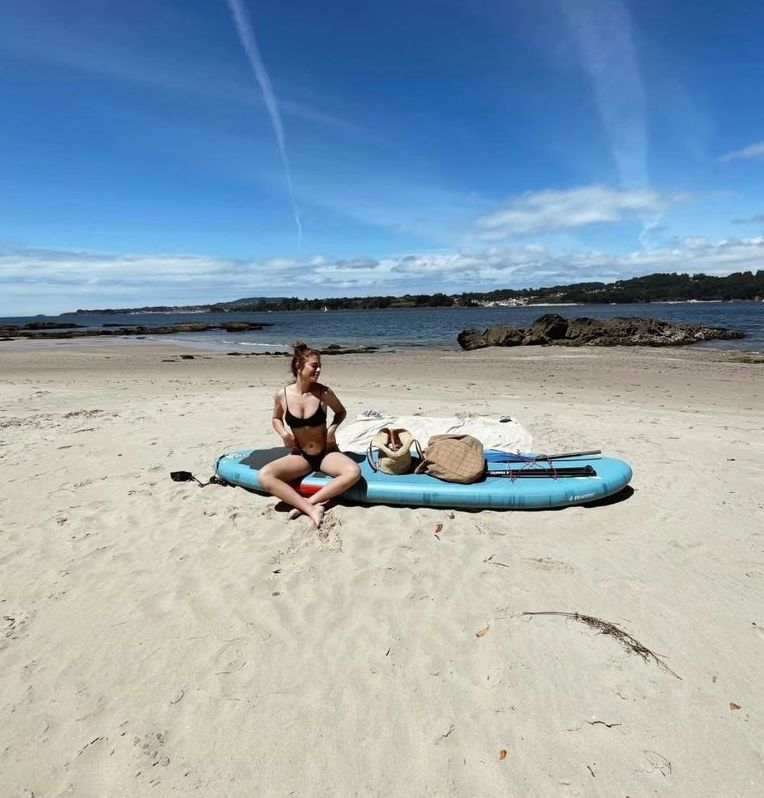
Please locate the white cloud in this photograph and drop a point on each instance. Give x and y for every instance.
(37, 281)
(757, 219)
(602, 32)
(544, 211)
(691, 255)
(754, 151)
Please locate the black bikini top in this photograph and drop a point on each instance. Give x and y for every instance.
(318, 419)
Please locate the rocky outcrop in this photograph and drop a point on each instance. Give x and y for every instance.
(332, 349)
(552, 329)
(240, 326)
(585, 330)
(51, 330)
(50, 325)
(546, 329)
(493, 336)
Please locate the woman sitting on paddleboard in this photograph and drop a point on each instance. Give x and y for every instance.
(313, 445)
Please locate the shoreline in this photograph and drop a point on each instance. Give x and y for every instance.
(191, 346)
(112, 347)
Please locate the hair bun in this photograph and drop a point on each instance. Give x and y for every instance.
(301, 353)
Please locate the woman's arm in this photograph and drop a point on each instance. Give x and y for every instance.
(339, 415)
(278, 421)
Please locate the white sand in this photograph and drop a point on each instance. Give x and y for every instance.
(159, 639)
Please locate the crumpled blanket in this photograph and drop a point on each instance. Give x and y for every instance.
(507, 435)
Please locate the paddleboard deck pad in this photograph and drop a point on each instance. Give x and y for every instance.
(508, 484)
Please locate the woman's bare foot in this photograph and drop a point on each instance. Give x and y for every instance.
(317, 515)
(295, 513)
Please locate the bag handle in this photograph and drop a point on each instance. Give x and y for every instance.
(393, 437)
(370, 459)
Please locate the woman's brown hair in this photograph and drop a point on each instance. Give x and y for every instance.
(301, 353)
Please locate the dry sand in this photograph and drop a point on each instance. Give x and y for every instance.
(159, 639)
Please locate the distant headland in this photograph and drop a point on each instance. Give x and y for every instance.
(740, 286)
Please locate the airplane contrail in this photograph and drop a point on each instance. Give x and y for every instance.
(602, 30)
(247, 37)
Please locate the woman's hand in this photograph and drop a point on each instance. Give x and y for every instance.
(289, 441)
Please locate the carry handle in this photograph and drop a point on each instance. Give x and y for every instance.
(392, 435)
(370, 459)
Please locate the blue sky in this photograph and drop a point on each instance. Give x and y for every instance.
(182, 151)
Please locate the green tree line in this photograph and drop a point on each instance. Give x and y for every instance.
(658, 287)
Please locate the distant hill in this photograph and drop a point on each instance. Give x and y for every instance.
(249, 302)
(650, 288)
(238, 305)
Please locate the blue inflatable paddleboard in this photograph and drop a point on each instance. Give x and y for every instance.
(512, 482)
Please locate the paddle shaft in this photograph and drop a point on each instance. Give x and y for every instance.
(566, 455)
(495, 457)
(544, 473)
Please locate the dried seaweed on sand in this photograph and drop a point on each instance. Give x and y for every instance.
(631, 644)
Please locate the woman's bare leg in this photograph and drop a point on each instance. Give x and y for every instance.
(345, 473)
(275, 478)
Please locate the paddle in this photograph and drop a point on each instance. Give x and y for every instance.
(510, 457)
(544, 473)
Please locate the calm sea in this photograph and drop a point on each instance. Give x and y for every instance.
(430, 327)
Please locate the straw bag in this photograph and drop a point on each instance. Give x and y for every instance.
(393, 448)
(454, 458)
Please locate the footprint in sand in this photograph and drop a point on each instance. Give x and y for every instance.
(230, 659)
(85, 482)
(329, 533)
(12, 624)
(148, 754)
(269, 513)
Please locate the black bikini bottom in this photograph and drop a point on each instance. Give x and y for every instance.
(315, 460)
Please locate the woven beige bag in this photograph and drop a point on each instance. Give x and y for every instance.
(394, 451)
(454, 458)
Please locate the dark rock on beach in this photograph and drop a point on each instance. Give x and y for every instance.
(545, 329)
(51, 330)
(552, 329)
(493, 336)
(36, 329)
(332, 349)
(585, 330)
(50, 325)
(336, 349)
(239, 326)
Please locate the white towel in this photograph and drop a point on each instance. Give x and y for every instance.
(505, 436)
